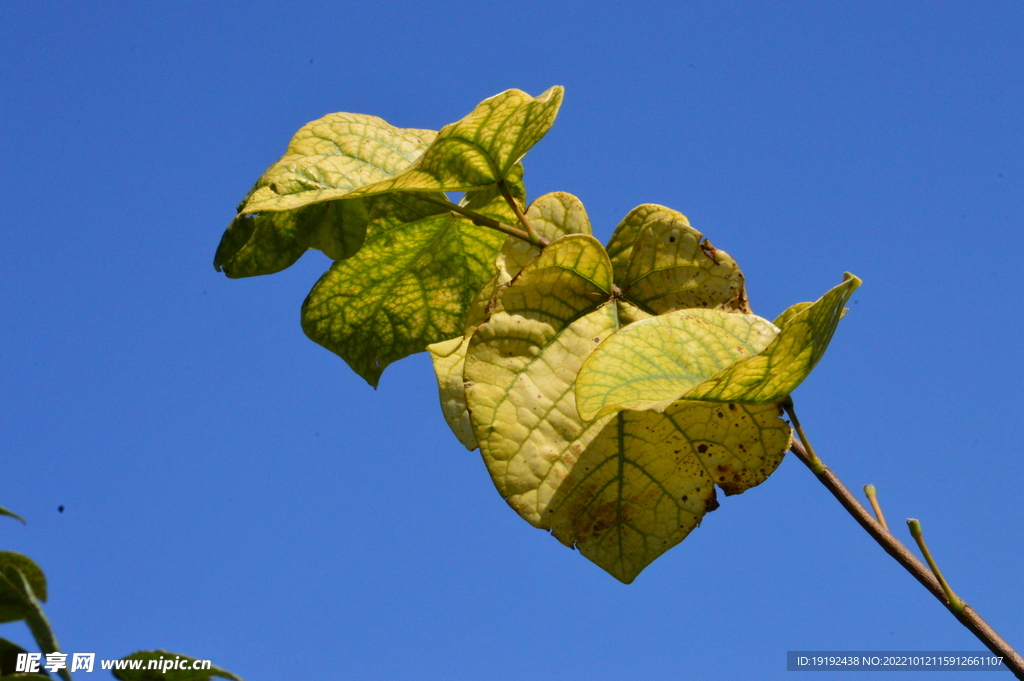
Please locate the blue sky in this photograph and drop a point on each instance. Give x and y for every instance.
(232, 491)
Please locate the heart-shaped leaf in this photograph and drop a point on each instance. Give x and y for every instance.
(644, 482)
(296, 204)
(664, 264)
(409, 286)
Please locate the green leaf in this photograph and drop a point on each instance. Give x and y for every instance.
(482, 148)
(295, 205)
(12, 514)
(264, 243)
(552, 216)
(652, 363)
(623, 488)
(9, 657)
(161, 658)
(776, 371)
(12, 603)
(14, 583)
(409, 286)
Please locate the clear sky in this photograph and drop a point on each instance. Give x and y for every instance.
(233, 491)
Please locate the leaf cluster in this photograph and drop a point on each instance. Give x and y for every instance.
(611, 389)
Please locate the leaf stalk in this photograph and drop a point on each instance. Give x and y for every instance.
(535, 238)
(481, 220)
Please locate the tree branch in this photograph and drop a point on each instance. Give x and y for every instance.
(967, 617)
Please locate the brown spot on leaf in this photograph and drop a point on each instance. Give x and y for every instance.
(702, 448)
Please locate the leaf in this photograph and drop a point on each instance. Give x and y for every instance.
(482, 148)
(333, 156)
(552, 216)
(162, 657)
(776, 371)
(409, 286)
(12, 514)
(652, 363)
(12, 603)
(295, 204)
(265, 243)
(646, 480)
(623, 488)
(449, 357)
(9, 663)
(9, 657)
(664, 264)
(14, 583)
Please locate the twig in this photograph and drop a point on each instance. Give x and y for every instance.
(872, 495)
(955, 604)
(967, 616)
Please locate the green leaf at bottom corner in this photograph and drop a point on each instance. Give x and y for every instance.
(161, 658)
(13, 604)
(776, 371)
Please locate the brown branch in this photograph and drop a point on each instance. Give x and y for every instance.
(967, 617)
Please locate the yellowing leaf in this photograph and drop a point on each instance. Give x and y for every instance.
(776, 371)
(409, 286)
(295, 205)
(552, 216)
(331, 157)
(482, 148)
(662, 264)
(645, 481)
(449, 357)
(623, 488)
(652, 363)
